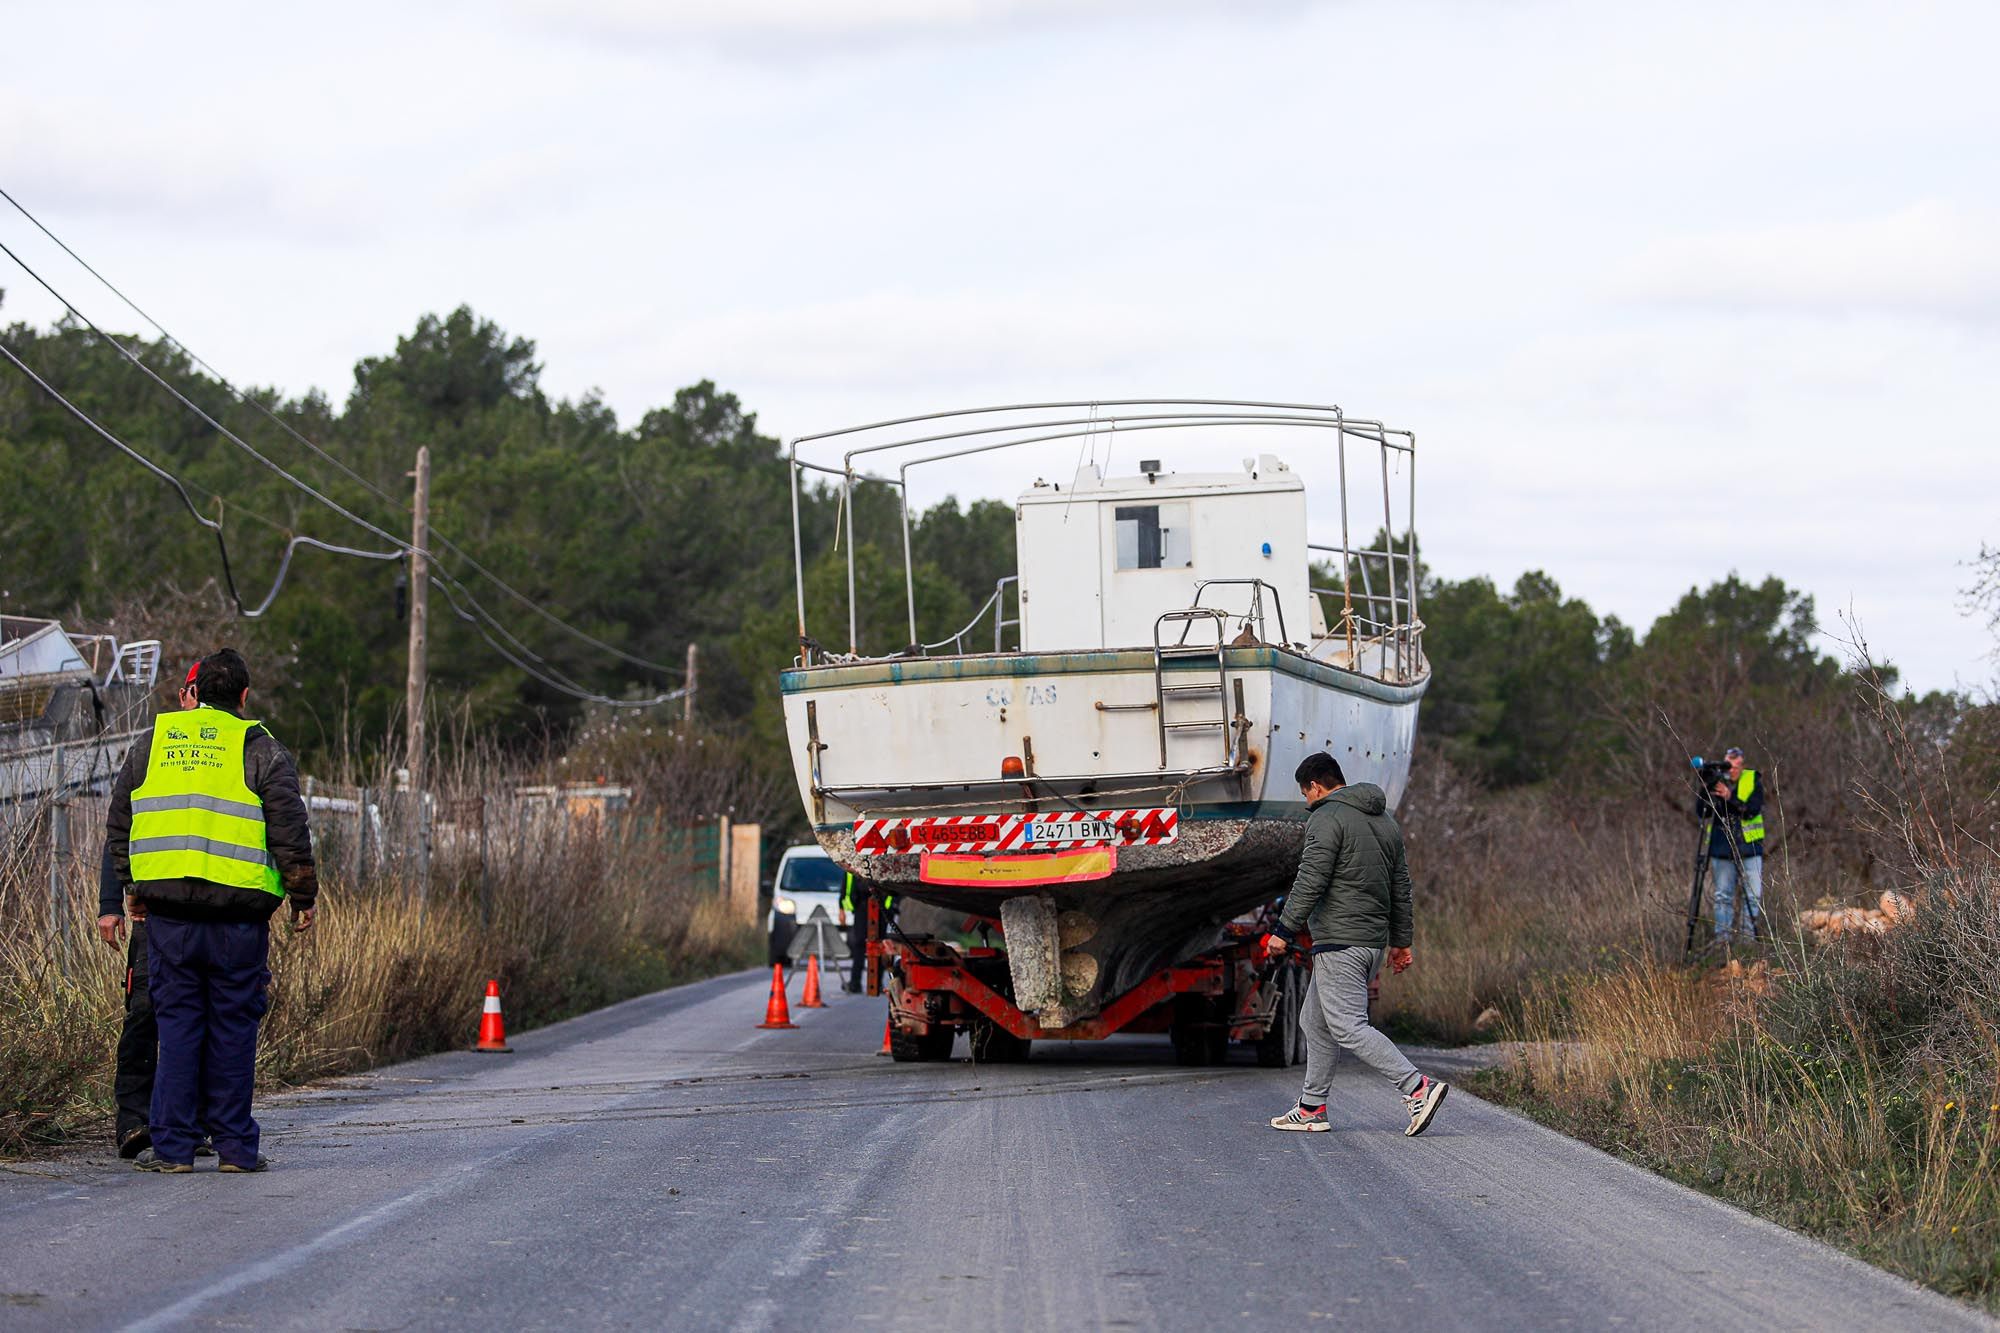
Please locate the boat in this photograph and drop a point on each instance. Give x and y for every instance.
(70, 706)
(1113, 789)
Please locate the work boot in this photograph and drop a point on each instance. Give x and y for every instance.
(152, 1161)
(1298, 1117)
(262, 1163)
(134, 1141)
(1423, 1104)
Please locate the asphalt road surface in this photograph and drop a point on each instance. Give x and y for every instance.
(663, 1164)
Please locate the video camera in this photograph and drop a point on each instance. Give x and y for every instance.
(1709, 771)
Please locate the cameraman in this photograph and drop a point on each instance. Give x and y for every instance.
(1734, 812)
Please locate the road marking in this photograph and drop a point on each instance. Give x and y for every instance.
(462, 1175)
(286, 1260)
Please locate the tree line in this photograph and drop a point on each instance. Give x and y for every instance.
(676, 529)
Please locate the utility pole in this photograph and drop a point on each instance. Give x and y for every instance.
(420, 604)
(420, 601)
(693, 674)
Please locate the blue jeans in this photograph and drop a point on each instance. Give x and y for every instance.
(1723, 869)
(210, 988)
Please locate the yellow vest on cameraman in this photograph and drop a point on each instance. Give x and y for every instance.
(193, 817)
(1753, 827)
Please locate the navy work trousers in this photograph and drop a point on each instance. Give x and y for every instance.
(210, 985)
(138, 1042)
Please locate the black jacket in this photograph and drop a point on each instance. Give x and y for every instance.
(1724, 816)
(1353, 885)
(269, 771)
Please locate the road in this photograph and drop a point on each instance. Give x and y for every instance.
(664, 1164)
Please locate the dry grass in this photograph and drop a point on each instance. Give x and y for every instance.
(1852, 1091)
(567, 913)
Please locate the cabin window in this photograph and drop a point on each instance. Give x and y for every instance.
(1153, 536)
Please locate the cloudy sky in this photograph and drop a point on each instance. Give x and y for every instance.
(1665, 292)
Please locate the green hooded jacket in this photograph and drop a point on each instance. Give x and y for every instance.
(1353, 885)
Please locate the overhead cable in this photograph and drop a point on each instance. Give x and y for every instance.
(222, 545)
(448, 585)
(299, 436)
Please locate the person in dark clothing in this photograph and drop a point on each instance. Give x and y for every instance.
(1734, 813)
(208, 827)
(855, 906)
(138, 1035)
(1352, 895)
(854, 902)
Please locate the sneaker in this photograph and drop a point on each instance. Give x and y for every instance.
(1300, 1118)
(262, 1163)
(152, 1161)
(134, 1141)
(1423, 1104)
(204, 1149)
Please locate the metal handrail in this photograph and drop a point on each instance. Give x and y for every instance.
(999, 621)
(1178, 414)
(1257, 590)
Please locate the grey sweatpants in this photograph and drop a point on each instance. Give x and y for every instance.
(1335, 1014)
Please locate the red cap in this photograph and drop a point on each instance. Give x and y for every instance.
(193, 671)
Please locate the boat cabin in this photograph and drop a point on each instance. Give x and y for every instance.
(1103, 559)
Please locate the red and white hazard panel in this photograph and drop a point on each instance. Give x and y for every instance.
(1050, 832)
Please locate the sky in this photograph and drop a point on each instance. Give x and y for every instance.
(1665, 292)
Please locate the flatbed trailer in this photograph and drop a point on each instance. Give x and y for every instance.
(1229, 994)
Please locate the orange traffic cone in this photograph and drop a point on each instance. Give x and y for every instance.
(811, 1000)
(492, 1031)
(777, 1014)
(887, 1024)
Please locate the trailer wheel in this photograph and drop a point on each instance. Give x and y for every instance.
(1278, 1047)
(992, 1044)
(927, 1047)
(1199, 1031)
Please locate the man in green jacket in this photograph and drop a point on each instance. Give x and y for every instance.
(1352, 895)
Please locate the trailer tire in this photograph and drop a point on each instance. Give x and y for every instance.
(1278, 1047)
(992, 1044)
(1199, 1037)
(925, 1047)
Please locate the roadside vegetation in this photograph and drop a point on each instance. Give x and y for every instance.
(568, 908)
(1843, 1082)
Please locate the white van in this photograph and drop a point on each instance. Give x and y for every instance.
(807, 878)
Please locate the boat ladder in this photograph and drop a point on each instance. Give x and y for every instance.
(1191, 658)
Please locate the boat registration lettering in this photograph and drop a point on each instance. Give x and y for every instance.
(1070, 830)
(950, 833)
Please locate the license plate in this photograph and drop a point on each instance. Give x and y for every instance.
(1070, 830)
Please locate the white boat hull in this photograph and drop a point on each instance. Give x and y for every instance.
(931, 736)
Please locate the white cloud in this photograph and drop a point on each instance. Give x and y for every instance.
(1933, 258)
(795, 19)
(894, 339)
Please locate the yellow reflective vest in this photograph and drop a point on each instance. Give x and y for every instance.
(1753, 827)
(193, 816)
(848, 905)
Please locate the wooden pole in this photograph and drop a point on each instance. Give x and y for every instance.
(419, 617)
(693, 676)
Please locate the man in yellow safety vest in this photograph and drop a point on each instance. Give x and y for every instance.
(854, 905)
(208, 828)
(1735, 814)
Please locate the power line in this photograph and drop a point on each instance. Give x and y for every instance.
(570, 687)
(448, 585)
(222, 545)
(299, 436)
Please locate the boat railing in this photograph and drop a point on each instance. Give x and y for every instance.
(1369, 615)
(919, 441)
(997, 605)
(1256, 612)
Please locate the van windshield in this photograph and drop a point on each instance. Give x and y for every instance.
(812, 874)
